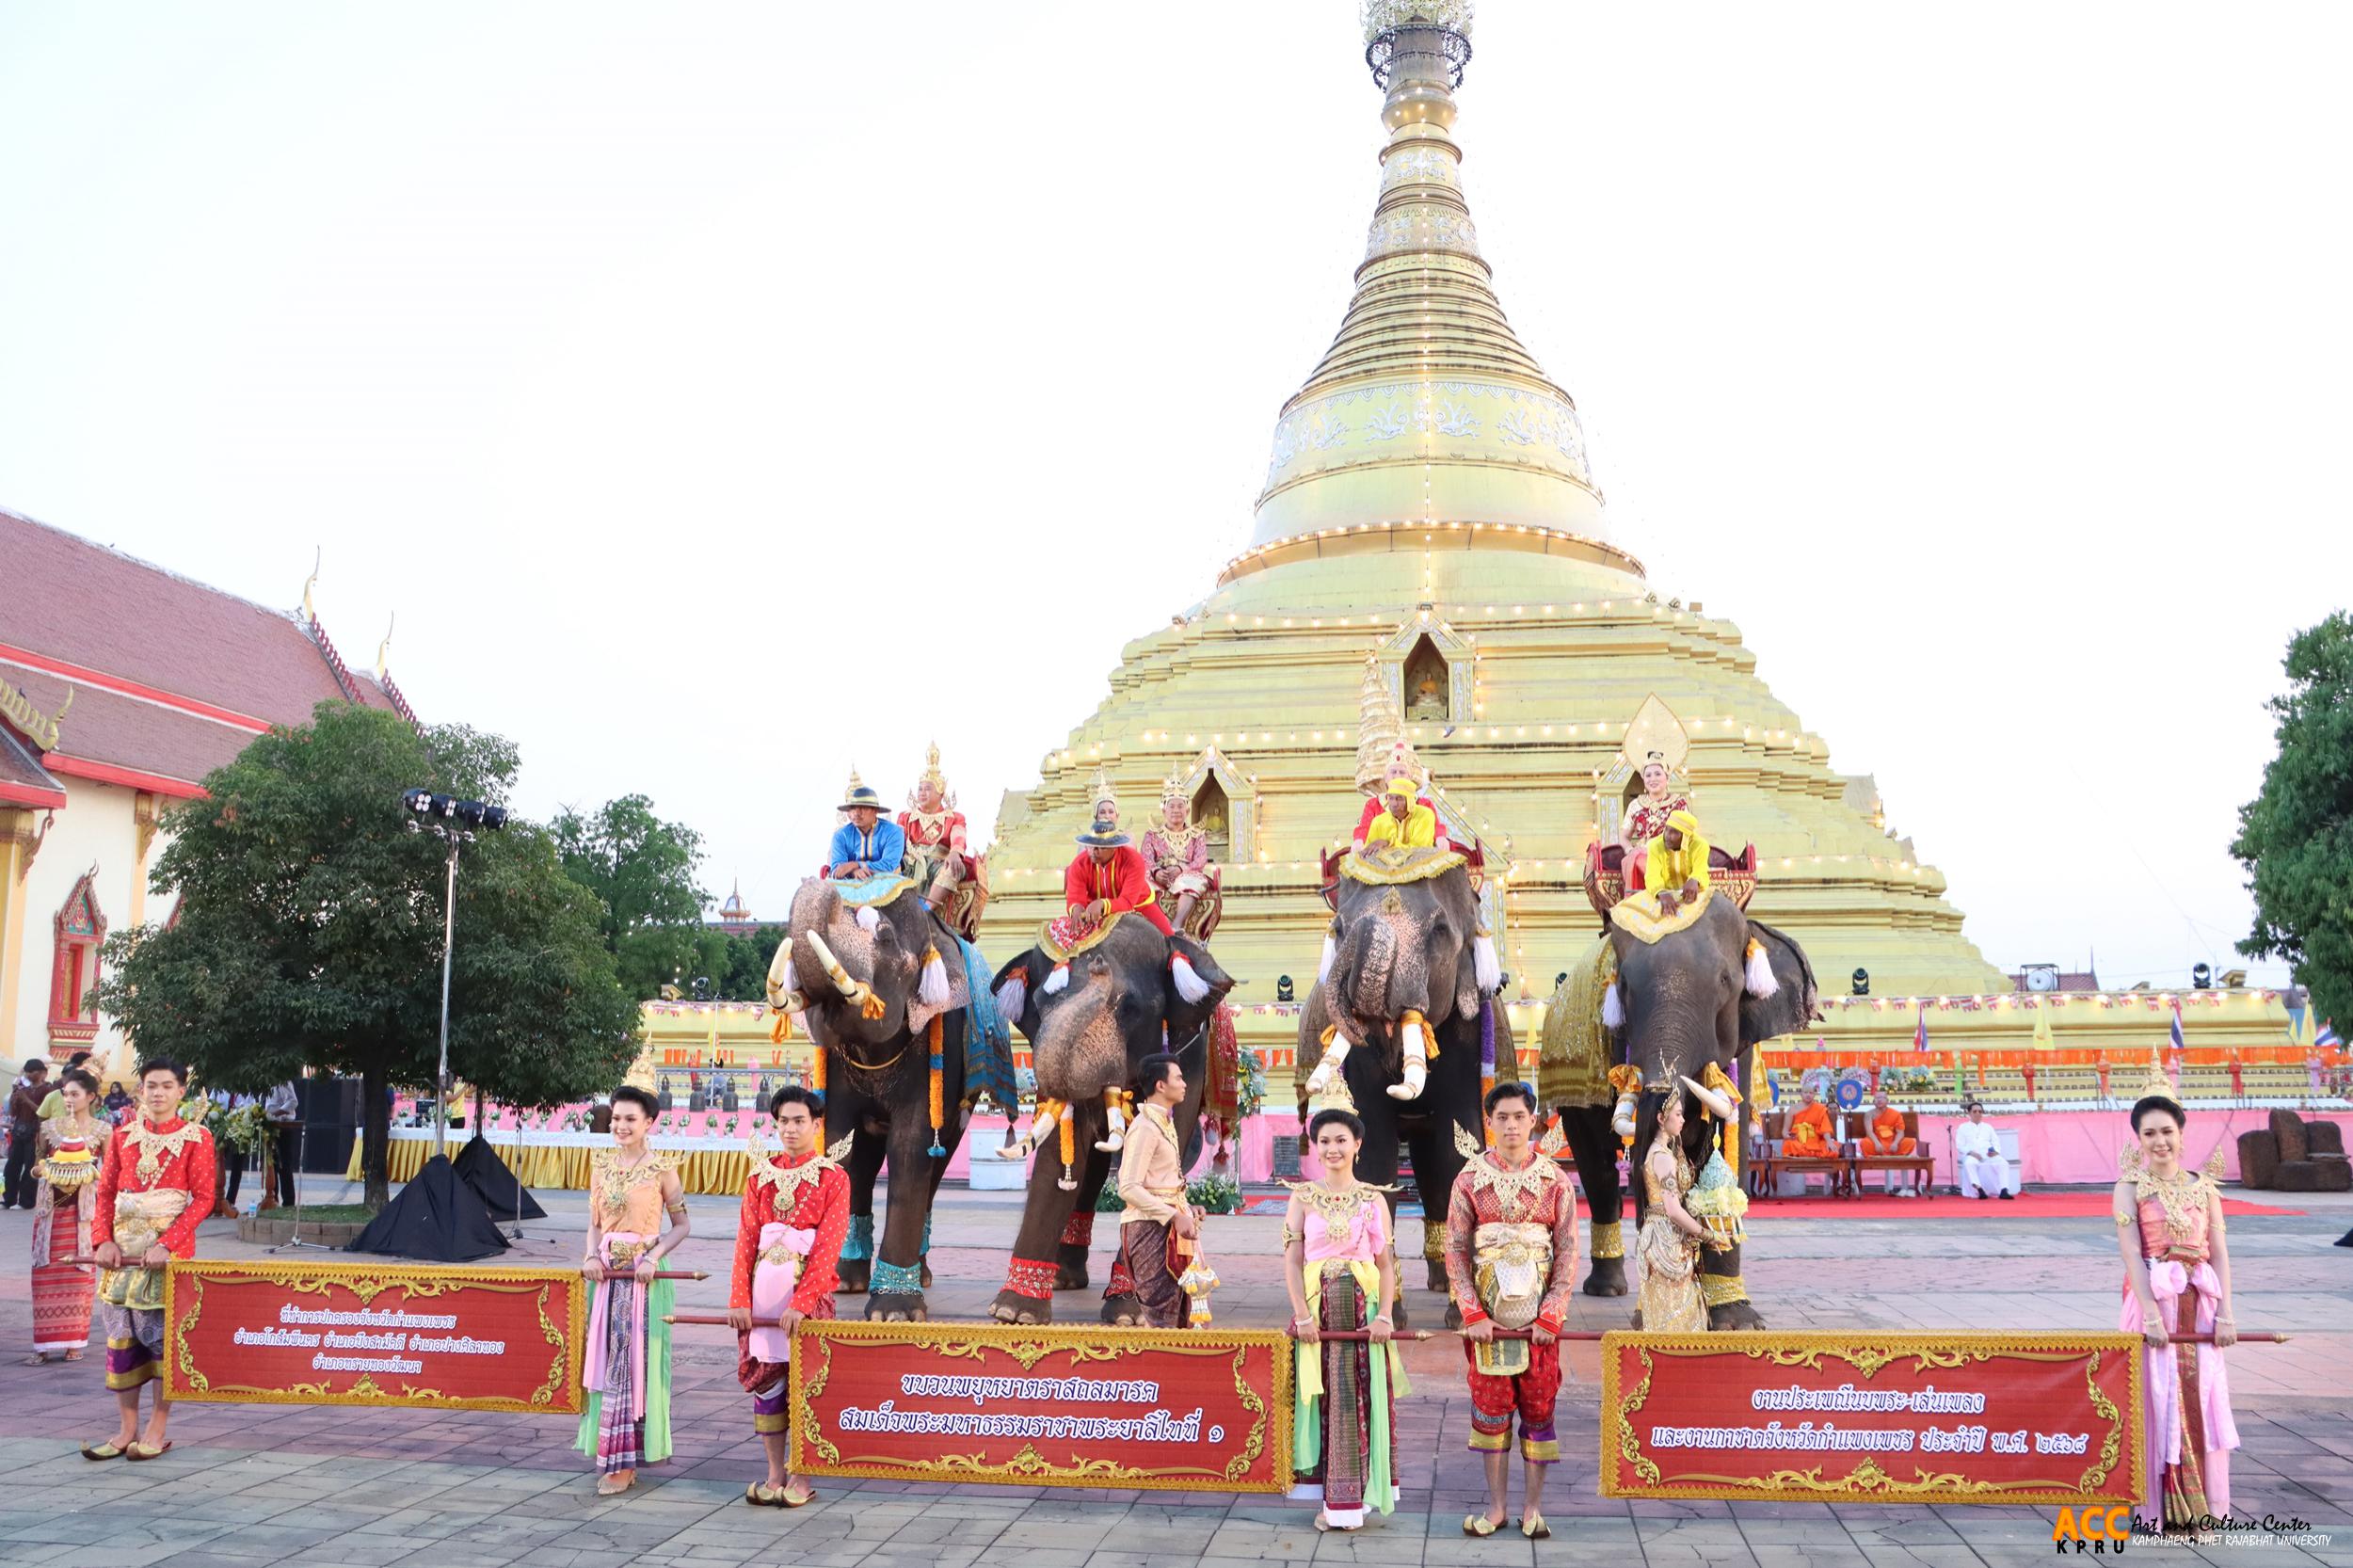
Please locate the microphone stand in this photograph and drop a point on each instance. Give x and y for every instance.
(302, 1151)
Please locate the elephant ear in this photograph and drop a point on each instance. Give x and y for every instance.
(1192, 969)
(1015, 988)
(1791, 1005)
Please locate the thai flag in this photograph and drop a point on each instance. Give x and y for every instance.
(2174, 1042)
(2327, 1036)
(1920, 1029)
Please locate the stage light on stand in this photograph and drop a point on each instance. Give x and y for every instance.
(457, 822)
(1861, 983)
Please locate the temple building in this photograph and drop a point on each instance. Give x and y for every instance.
(121, 685)
(1430, 542)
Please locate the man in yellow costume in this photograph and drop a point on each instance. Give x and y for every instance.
(1677, 867)
(1401, 817)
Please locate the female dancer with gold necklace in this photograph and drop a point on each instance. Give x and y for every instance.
(2177, 1280)
(626, 1366)
(71, 1142)
(1341, 1272)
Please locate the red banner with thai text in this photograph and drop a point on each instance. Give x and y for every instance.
(1170, 1410)
(450, 1339)
(2012, 1419)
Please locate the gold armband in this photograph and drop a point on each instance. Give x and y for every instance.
(1722, 1290)
(1289, 1236)
(1605, 1241)
(2125, 1219)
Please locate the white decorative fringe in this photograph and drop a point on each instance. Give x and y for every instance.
(1013, 995)
(868, 921)
(1190, 985)
(1056, 981)
(1417, 1063)
(1328, 1067)
(1484, 967)
(931, 988)
(1331, 951)
(1612, 1008)
(1760, 979)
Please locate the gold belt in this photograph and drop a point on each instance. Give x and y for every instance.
(624, 1252)
(779, 1255)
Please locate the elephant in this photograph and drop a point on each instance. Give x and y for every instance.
(1119, 1000)
(1406, 944)
(870, 982)
(1686, 1000)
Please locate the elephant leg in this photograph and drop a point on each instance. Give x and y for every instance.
(1596, 1148)
(896, 1284)
(1028, 1294)
(1728, 1304)
(863, 1165)
(1077, 1233)
(1437, 1163)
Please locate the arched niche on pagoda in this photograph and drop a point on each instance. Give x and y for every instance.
(1223, 804)
(1427, 667)
(80, 936)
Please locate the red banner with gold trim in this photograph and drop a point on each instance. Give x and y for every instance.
(1160, 1409)
(1864, 1418)
(436, 1338)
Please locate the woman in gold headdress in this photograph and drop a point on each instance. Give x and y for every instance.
(2177, 1281)
(1646, 814)
(1669, 1301)
(1177, 856)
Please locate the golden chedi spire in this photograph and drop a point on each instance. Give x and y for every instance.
(1427, 409)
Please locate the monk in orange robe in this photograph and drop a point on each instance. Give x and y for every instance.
(1809, 1131)
(1887, 1129)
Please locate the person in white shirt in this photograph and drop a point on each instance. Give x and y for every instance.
(1978, 1156)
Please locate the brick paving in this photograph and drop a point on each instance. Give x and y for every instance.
(255, 1486)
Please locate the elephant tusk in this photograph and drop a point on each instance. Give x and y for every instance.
(857, 992)
(1414, 1039)
(780, 974)
(1335, 1049)
(1115, 1111)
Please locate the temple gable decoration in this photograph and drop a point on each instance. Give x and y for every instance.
(81, 934)
(1223, 805)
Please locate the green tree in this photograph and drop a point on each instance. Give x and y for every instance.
(2296, 839)
(745, 972)
(310, 930)
(643, 870)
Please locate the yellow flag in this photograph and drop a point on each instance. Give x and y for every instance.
(2042, 1040)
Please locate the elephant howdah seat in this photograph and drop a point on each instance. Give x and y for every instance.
(1920, 1164)
(1385, 865)
(1734, 875)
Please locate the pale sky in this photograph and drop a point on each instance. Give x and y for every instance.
(720, 397)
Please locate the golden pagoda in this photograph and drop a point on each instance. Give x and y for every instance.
(1431, 552)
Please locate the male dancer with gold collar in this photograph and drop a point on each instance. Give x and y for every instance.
(154, 1187)
(788, 1254)
(1511, 1255)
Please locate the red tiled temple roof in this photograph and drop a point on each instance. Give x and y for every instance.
(170, 677)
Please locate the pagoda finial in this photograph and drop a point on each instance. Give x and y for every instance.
(1418, 41)
(383, 650)
(318, 558)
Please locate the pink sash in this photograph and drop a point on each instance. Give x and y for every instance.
(772, 1287)
(594, 1372)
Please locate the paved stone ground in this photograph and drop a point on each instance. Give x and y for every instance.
(251, 1485)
